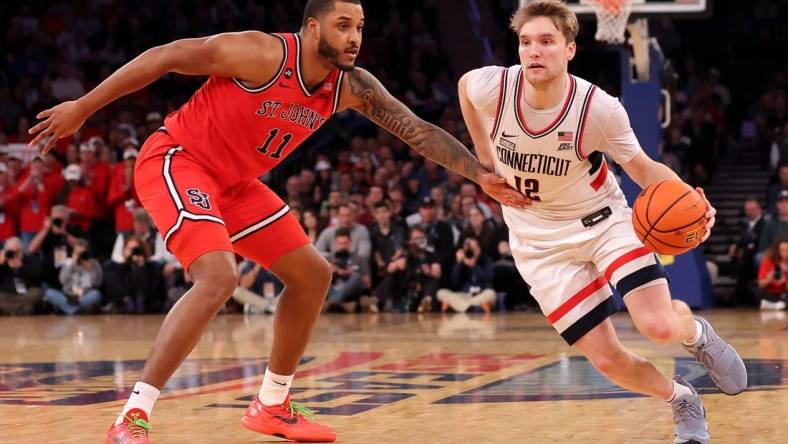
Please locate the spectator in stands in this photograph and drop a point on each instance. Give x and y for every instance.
(95, 173)
(80, 278)
(439, 234)
(78, 198)
(773, 275)
(414, 274)
(776, 226)
(20, 279)
(387, 238)
(53, 242)
(358, 233)
(471, 280)
(143, 230)
(67, 86)
(744, 250)
(776, 188)
(468, 190)
(311, 224)
(122, 196)
(35, 200)
(257, 290)
(351, 274)
(8, 207)
(508, 281)
(483, 230)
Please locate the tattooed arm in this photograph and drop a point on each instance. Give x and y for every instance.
(364, 93)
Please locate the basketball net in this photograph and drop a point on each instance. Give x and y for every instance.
(612, 17)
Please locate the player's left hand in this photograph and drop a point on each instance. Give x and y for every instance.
(711, 214)
(496, 187)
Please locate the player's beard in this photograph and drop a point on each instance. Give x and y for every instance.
(332, 54)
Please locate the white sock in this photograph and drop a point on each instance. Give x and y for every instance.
(275, 388)
(698, 334)
(679, 390)
(143, 396)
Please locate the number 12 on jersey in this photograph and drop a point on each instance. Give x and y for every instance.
(286, 138)
(529, 187)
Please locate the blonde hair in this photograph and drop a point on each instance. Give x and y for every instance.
(562, 17)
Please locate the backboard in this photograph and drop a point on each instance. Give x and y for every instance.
(650, 8)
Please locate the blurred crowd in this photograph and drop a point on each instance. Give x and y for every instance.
(401, 233)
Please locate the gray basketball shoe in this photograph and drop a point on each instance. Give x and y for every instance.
(720, 359)
(690, 417)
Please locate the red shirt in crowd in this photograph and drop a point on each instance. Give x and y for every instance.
(7, 212)
(97, 177)
(767, 265)
(83, 205)
(34, 205)
(122, 198)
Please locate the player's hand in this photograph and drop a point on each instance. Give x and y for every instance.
(55, 123)
(496, 187)
(711, 214)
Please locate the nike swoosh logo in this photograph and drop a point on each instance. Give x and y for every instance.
(508, 135)
(283, 384)
(290, 421)
(136, 392)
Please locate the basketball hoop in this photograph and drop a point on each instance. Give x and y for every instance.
(612, 17)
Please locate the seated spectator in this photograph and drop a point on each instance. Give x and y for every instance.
(20, 280)
(773, 276)
(482, 229)
(35, 200)
(95, 172)
(776, 226)
(78, 198)
(358, 233)
(135, 285)
(311, 224)
(80, 278)
(413, 276)
(351, 274)
(743, 251)
(8, 205)
(122, 197)
(53, 243)
(387, 238)
(777, 188)
(143, 229)
(439, 233)
(468, 189)
(258, 289)
(471, 280)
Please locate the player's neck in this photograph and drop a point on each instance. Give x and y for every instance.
(545, 95)
(314, 67)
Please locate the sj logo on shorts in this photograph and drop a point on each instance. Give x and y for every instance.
(197, 197)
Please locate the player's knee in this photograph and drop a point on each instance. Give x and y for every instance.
(663, 329)
(219, 282)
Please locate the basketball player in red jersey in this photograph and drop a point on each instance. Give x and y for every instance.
(197, 175)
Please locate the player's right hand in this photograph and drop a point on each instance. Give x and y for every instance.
(496, 187)
(57, 122)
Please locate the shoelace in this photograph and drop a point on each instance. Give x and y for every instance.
(302, 410)
(138, 428)
(684, 409)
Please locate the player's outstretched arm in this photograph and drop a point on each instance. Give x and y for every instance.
(367, 95)
(244, 55)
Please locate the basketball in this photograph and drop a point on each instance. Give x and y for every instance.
(669, 217)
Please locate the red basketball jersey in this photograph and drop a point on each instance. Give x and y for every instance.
(240, 133)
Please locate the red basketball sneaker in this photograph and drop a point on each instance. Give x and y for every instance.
(290, 421)
(133, 430)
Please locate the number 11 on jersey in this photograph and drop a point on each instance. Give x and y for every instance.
(529, 187)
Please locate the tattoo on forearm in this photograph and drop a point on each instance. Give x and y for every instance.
(427, 139)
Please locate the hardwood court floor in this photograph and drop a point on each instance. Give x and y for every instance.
(379, 379)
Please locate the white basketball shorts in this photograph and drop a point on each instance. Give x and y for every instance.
(569, 266)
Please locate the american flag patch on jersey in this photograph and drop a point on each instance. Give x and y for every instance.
(565, 136)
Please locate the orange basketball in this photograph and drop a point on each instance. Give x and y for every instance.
(669, 217)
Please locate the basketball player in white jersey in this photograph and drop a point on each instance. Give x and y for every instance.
(547, 132)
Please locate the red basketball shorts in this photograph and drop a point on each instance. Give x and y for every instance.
(196, 214)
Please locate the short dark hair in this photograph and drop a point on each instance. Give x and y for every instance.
(382, 204)
(342, 232)
(319, 8)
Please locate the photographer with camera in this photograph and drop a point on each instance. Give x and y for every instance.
(413, 275)
(471, 277)
(80, 278)
(135, 285)
(20, 278)
(53, 242)
(351, 274)
(773, 276)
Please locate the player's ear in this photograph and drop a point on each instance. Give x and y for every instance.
(571, 49)
(313, 26)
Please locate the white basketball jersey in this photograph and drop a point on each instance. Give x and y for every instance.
(566, 178)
